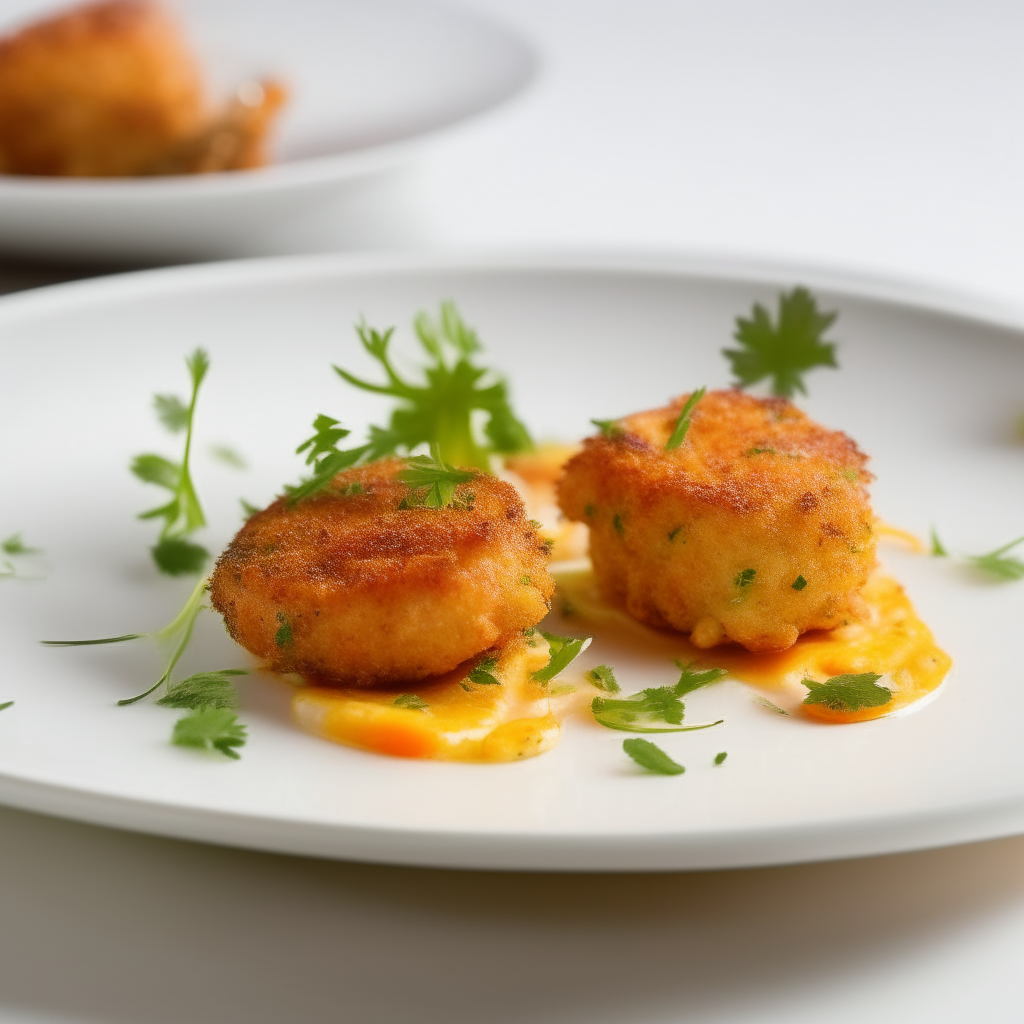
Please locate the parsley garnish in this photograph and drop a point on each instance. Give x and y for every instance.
(938, 550)
(744, 578)
(638, 712)
(564, 650)
(211, 729)
(683, 423)
(603, 677)
(651, 757)
(608, 428)
(204, 690)
(997, 564)
(720, 758)
(848, 692)
(785, 350)
(799, 583)
(411, 702)
(483, 674)
(6, 704)
(183, 514)
(435, 479)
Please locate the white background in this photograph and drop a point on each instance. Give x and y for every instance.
(880, 136)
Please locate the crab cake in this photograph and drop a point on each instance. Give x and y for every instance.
(755, 529)
(360, 586)
(102, 89)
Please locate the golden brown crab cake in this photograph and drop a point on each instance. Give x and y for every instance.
(755, 529)
(354, 587)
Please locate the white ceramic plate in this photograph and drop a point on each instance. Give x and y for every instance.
(933, 396)
(370, 81)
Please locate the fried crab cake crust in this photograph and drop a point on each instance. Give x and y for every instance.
(353, 589)
(755, 529)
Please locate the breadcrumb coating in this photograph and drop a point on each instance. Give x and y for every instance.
(354, 589)
(755, 530)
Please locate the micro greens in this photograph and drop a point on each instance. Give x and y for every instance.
(848, 692)
(182, 515)
(603, 677)
(651, 757)
(998, 564)
(683, 423)
(564, 650)
(786, 350)
(483, 673)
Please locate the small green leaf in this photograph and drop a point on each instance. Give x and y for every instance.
(618, 525)
(204, 690)
(177, 557)
(720, 758)
(15, 546)
(651, 757)
(155, 469)
(483, 674)
(603, 677)
(938, 550)
(283, 637)
(411, 702)
(211, 729)
(744, 578)
(228, 456)
(848, 692)
(998, 565)
(799, 583)
(608, 428)
(766, 703)
(6, 704)
(172, 412)
(438, 478)
(248, 508)
(564, 651)
(683, 423)
(692, 678)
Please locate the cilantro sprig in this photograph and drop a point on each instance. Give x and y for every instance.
(848, 692)
(182, 515)
(564, 650)
(786, 349)
(640, 712)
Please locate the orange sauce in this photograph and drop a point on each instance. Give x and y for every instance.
(462, 720)
(892, 641)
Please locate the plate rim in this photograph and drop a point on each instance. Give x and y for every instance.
(497, 849)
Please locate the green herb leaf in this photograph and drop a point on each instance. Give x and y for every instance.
(640, 711)
(608, 428)
(177, 557)
(744, 578)
(603, 677)
(483, 674)
(683, 423)
(228, 456)
(848, 692)
(998, 564)
(799, 583)
(692, 678)
(720, 758)
(172, 412)
(438, 480)
(15, 546)
(283, 637)
(937, 548)
(6, 704)
(564, 651)
(766, 703)
(651, 757)
(783, 351)
(211, 729)
(204, 690)
(248, 508)
(411, 702)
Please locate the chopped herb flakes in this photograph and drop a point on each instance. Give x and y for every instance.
(640, 711)
(785, 350)
(564, 651)
(651, 757)
(938, 550)
(411, 702)
(848, 692)
(603, 677)
(744, 578)
(766, 703)
(483, 674)
(617, 524)
(799, 583)
(720, 758)
(608, 428)
(673, 534)
(759, 451)
(6, 704)
(283, 637)
(683, 423)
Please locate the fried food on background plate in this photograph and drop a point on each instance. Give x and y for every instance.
(755, 529)
(112, 89)
(360, 586)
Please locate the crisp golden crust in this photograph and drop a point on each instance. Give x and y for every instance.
(112, 89)
(356, 590)
(756, 485)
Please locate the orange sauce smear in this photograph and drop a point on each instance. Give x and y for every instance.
(892, 641)
(463, 720)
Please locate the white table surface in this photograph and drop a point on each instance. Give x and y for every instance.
(877, 136)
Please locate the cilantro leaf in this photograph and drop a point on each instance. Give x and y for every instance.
(411, 702)
(177, 557)
(608, 428)
(640, 711)
(183, 514)
(691, 678)
(651, 757)
(204, 690)
(211, 729)
(564, 651)
(848, 692)
(998, 564)
(440, 410)
(603, 677)
(435, 477)
(799, 583)
(785, 350)
(683, 423)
